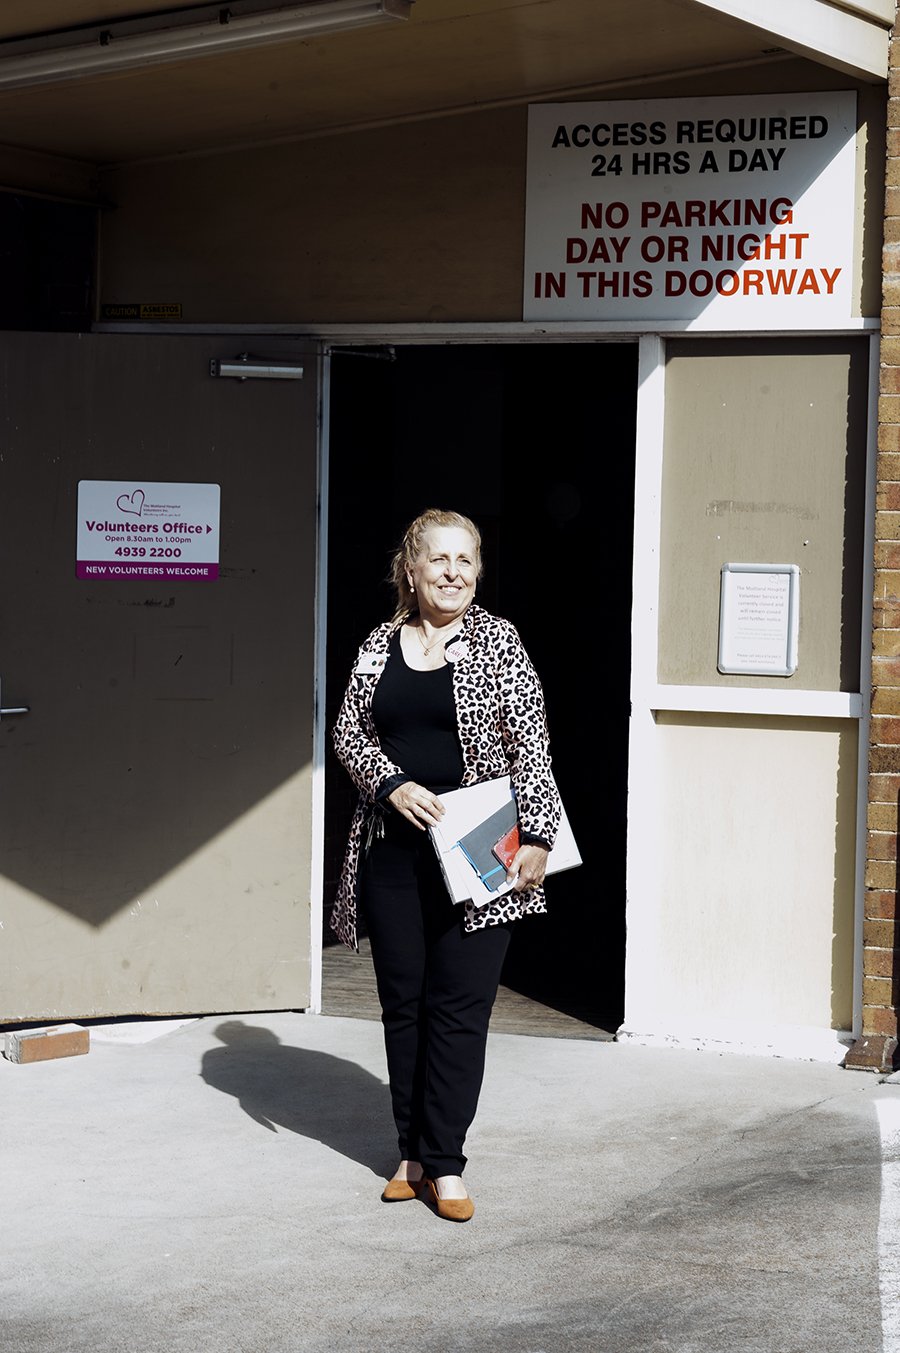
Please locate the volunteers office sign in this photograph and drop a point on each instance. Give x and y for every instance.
(139, 529)
(726, 213)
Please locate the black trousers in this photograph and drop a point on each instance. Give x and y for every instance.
(436, 986)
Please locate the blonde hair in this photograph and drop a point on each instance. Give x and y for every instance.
(411, 547)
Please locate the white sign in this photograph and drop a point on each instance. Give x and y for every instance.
(136, 528)
(723, 213)
(759, 619)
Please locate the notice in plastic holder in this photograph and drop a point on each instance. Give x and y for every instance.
(140, 529)
(759, 615)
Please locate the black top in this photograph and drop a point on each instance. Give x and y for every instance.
(415, 718)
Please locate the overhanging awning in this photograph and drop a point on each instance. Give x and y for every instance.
(851, 36)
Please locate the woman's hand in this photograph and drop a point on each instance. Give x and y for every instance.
(528, 867)
(417, 804)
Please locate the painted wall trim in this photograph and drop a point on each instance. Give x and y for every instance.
(643, 881)
(501, 331)
(865, 685)
(798, 1042)
(757, 700)
(814, 29)
(317, 879)
(879, 11)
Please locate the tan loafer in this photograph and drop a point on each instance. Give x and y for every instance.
(451, 1209)
(401, 1190)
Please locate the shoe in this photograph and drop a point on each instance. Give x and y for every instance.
(451, 1209)
(401, 1190)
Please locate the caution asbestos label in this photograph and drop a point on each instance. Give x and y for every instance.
(141, 310)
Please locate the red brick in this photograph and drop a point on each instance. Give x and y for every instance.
(888, 497)
(881, 846)
(887, 524)
(890, 351)
(881, 906)
(885, 671)
(876, 1021)
(888, 433)
(887, 585)
(884, 789)
(872, 1052)
(881, 963)
(879, 991)
(885, 730)
(885, 644)
(888, 464)
(884, 761)
(44, 1045)
(881, 817)
(887, 552)
(886, 700)
(880, 934)
(881, 874)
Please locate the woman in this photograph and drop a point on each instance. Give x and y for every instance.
(442, 695)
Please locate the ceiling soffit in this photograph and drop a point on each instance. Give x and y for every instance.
(451, 55)
(849, 35)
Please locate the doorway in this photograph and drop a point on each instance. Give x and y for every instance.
(535, 442)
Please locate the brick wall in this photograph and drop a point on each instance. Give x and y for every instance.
(876, 1049)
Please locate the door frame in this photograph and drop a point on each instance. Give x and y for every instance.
(647, 694)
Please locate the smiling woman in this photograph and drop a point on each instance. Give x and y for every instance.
(442, 695)
(440, 574)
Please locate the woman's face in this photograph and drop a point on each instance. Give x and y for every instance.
(444, 575)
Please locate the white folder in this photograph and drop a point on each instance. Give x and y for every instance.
(464, 809)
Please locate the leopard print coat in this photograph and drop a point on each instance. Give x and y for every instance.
(502, 731)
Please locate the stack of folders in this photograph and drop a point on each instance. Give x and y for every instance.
(478, 838)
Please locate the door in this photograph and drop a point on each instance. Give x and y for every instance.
(517, 436)
(155, 801)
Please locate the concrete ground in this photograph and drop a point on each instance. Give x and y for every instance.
(217, 1189)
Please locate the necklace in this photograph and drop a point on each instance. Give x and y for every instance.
(427, 649)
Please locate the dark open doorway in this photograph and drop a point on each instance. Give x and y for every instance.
(536, 444)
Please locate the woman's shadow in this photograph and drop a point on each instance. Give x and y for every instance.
(326, 1098)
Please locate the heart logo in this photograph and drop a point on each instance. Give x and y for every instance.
(133, 503)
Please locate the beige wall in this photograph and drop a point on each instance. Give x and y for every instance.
(421, 221)
(764, 462)
(753, 923)
(226, 928)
